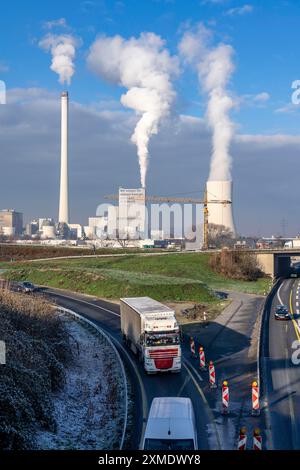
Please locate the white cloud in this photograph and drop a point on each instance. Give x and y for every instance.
(102, 159)
(239, 11)
(276, 140)
(257, 100)
(288, 108)
(262, 97)
(60, 22)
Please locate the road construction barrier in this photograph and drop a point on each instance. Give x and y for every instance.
(212, 375)
(257, 440)
(202, 358)
(225, 398)
(192, 346)
(255, 399)
(242, 444)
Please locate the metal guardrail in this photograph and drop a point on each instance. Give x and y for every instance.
(104, 335)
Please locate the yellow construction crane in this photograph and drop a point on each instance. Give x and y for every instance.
(184, 200)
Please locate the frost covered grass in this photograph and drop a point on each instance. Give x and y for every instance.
(38, 350)
(89, 410)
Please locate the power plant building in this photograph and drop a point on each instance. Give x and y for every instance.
(132, 213)
(11, 222)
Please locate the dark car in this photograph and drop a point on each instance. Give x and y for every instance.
(26, 287)
(282, 313)
(295, 271)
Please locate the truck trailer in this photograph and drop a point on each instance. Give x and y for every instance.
(151, 331)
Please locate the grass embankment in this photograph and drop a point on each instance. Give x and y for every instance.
(37, 350)
(172, 277)
(10, 252)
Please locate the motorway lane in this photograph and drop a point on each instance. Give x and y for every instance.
(187, 383)
(282, 376)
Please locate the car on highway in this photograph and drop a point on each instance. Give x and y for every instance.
(295, 271)
(26, 287)
(282, 313)
(171, 425)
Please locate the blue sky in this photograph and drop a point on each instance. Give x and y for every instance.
(265, 37)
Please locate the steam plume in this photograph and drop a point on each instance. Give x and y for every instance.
(215, 67)
(63, 50)
(144, 67)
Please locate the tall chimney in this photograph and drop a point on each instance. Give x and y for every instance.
(63, 199)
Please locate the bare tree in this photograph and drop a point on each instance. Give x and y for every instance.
(220, 236)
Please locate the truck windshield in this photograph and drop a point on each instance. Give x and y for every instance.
(165, 444)
(162, 339)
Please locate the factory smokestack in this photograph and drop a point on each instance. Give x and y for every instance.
(220, 213)
(63, 199)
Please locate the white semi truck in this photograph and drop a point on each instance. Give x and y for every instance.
(151, 331)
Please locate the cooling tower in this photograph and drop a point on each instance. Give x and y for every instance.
(63, 199)
(220, 213)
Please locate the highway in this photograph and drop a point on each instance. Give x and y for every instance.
(281, 377)
(145, 387)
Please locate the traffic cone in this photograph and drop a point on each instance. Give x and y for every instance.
(202, 358)
(255, 399)
(242, 444)
(212, 375)
(192, 346)
(257, 440)
(225, 398)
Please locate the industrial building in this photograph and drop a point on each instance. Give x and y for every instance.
(132, 214)
(11, 222)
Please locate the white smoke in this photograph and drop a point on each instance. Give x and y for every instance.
(215, 67)
(63, 50)
(144, 67)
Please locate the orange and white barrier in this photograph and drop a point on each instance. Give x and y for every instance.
(202, 358)
(257, 440)
(225, 398)
(242, 444)
(255, 399)
(192, 346)
(212, 375)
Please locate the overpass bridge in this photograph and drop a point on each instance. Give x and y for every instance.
(276, 262)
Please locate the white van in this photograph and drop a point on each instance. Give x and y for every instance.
(171, 425)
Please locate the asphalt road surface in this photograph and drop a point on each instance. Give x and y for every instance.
(230, 341)
(282, 376)
(186, 383)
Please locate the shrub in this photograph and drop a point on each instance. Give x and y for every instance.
(37, 351)
(236, 265)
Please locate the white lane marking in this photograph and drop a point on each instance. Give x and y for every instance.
(200, 391)
(195, 370)
(187, 379)
(278, 294)
(297, 304)
(290, 396)
(87, 303)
